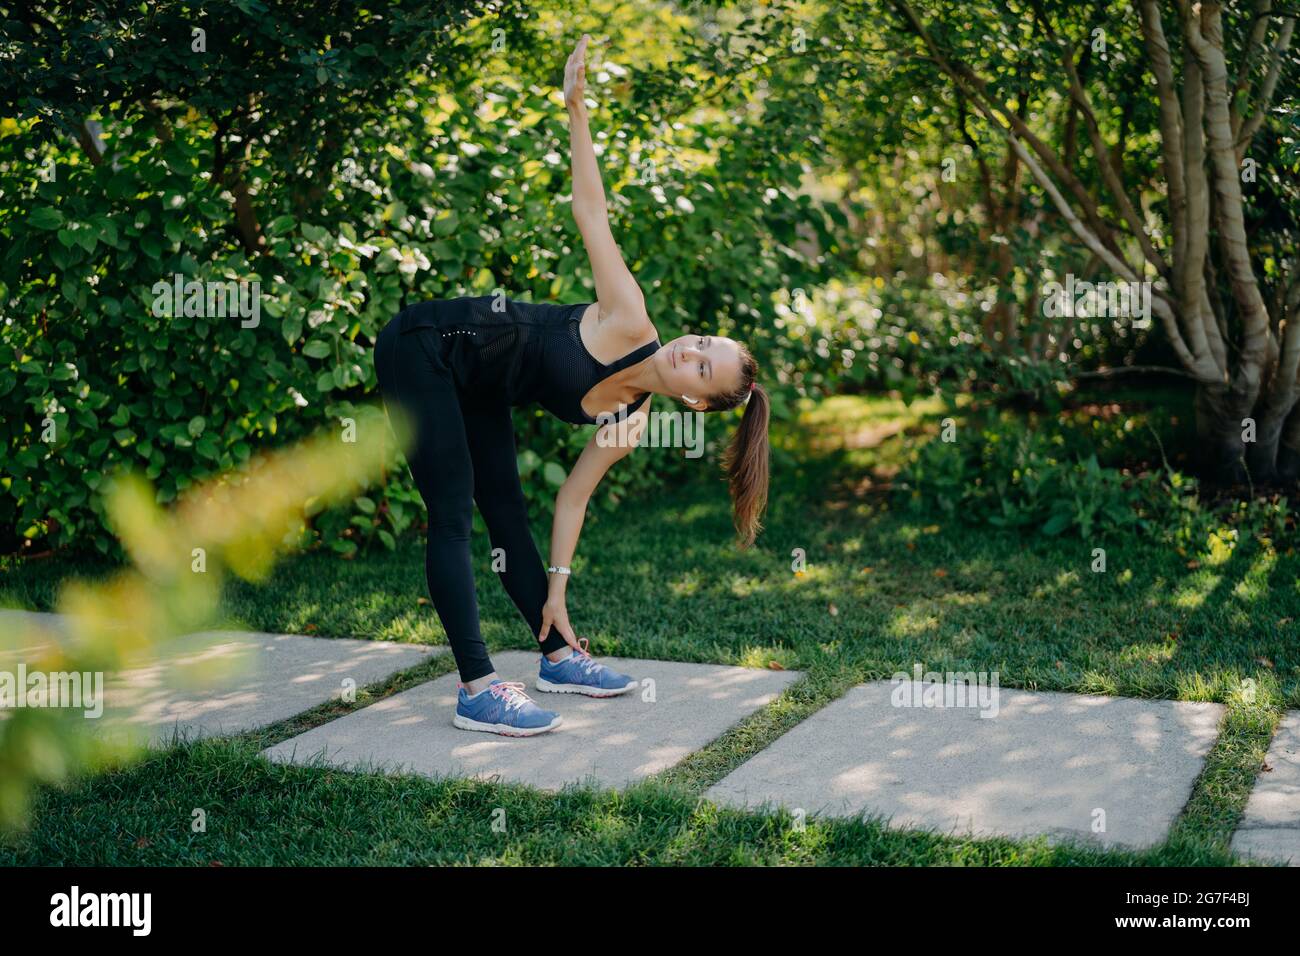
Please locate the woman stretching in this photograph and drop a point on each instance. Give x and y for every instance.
(455, 368)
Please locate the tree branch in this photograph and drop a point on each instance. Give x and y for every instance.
(1267, 89)
(1250, 50)
(1000, 117)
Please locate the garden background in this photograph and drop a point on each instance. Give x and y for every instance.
(876, 197)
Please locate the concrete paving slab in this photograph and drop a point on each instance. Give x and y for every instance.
(219, 682)
(1270, 829)
(608, 743)
(1047, 764)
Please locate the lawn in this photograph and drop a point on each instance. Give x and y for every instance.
(882, 589)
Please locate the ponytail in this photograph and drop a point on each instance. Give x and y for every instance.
(746, 463)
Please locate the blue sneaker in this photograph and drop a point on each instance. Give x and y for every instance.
(503, 708)
(581, 674)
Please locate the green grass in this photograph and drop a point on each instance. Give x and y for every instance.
(883, 589)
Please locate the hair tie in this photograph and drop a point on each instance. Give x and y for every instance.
(751, 385)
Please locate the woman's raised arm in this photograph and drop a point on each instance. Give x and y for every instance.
(617, 291)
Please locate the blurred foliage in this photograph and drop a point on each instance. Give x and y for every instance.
(240, 522)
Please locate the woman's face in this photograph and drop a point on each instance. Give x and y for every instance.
(700, 366)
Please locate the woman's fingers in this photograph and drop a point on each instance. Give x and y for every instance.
(570, 638)
(562, 625)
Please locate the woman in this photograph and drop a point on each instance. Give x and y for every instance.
(455, 368)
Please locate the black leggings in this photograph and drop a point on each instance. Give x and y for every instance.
(462, 450)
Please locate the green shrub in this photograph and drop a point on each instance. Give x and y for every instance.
(1014, 471)
(1018, 477)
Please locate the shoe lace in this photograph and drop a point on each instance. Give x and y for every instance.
(511, 692)
(585, 660)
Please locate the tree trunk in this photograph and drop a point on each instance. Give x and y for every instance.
(1288, 452)
(1230, 452)
(1220, 449)
(1277, 408)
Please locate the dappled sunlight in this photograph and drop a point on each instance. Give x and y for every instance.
(1191, 594)
(1149, 652)
(690, 515)
(1064, 582)
(688, 584)
(742, 587)
(912, 622)
(765, 657)
(1254, 584)
(839, 413)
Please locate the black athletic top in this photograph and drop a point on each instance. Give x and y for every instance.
(521, 352)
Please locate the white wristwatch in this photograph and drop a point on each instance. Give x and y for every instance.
(553, 569)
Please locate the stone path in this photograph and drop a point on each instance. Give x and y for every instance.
(1043, 764)
(225, 682)
(1270, 829)
(1111, 771)
(609, 742)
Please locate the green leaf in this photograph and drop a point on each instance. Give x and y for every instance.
(316, 348)
(106, 230)
(1057, 523)
(291, 327)
(445, 223)
(207, 447)
(45, 217)
(62, 257)
(554, 474)
(280, 225)
(527, 461)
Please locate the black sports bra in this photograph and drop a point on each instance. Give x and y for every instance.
(498, 349)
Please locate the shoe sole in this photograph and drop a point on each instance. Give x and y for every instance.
(548, 687)
(505, 730)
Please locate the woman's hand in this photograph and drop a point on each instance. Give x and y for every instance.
(575, 76)
(555, 614)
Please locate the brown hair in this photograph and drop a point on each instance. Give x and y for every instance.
(746, 457)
